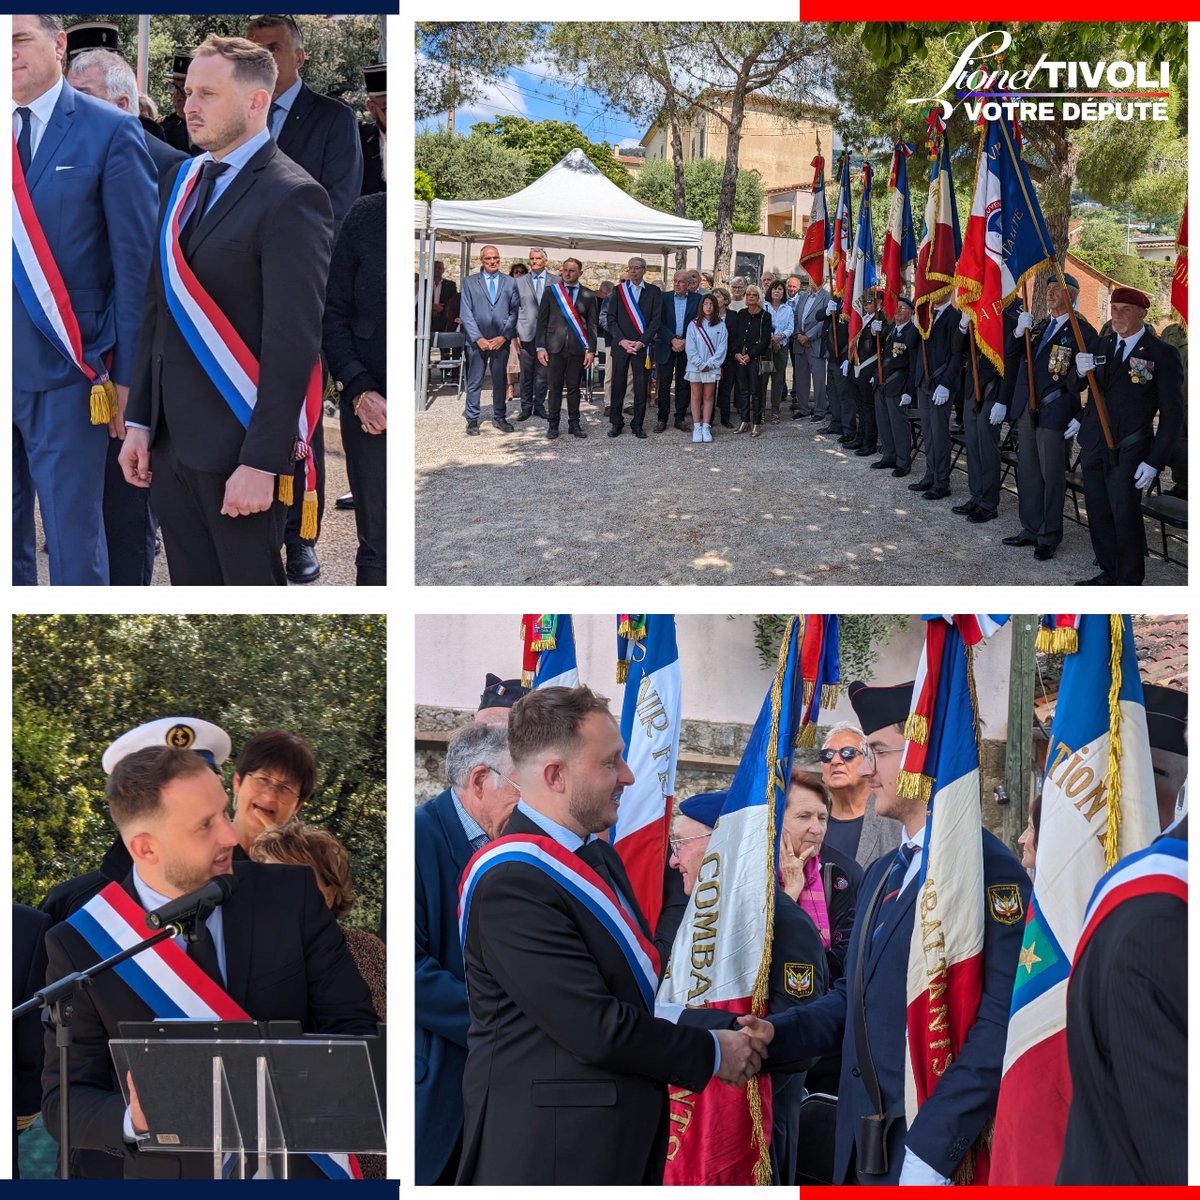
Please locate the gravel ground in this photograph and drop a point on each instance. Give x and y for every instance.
(791, 507)
(336, 547)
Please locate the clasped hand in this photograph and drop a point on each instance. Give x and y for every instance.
(744, 1050)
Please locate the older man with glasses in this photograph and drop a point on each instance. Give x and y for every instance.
(855, 828)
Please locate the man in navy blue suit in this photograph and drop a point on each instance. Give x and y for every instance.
(670, 351)
(489, 309)
(466, 816)
(92, 187)
(964, 1101)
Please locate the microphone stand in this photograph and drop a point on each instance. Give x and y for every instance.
(57, 1001)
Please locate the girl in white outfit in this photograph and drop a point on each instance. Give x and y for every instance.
(706, 342)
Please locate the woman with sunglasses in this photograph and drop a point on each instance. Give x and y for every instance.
(855, 828)
(274, 775)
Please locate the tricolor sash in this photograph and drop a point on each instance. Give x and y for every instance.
(44, 296)
(700, 330)
(631, 307)
(573, 874)
(168, 982)
(219, 349)
(559, 291)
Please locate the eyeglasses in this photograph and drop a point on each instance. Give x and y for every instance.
(845, 753)
(267, 784)
(515, 787)
(675, 842)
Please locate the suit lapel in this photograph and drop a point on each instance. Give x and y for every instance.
(243, 181)
(237, 925)
(452, 830)
(290, 132)
(897, 919)
(57, 128)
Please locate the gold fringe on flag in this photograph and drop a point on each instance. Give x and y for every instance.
(916, 728)
(623, 670)
(103, 402)
(831, 693)
(308, 516)
(912, 786)
(810, 686)
(527, 679)
(762, 1165)
(1112, 835)
(625, 629)
(1057, 641)
(284, 491)
(806, 736)
(540, 644)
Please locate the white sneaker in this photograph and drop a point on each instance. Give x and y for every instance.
(697, 436)
(706, 433)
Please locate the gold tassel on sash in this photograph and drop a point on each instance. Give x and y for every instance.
(103, 401)
(286, 493)
(308, 516)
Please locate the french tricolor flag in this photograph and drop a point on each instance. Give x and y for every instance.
(650, 720)
(1098, 805)
(558, 667)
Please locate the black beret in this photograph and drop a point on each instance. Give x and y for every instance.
(1166, 718)
(500, 693)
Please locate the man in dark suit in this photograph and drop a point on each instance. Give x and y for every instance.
(258, 241)
(471, 812)
(630, 345)
(961, 1106)
(559, 349)
(320, 135)
(273, 948)
(901, 349)
(488, 309)
(567, 1066)
(984, 413)
(531, 287)
(91, 185)
(29, 975)
(174, 127)
(129, 523)
(939, 385)
(670, 350)
(373, 134)
(1044, 437)
(1141, 378)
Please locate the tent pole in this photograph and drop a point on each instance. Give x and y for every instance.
(664, 266)
(428, 321)
(423, 268)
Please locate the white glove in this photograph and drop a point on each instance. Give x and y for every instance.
(846, 368)
(965, 323)
(1085, 362)
(876, 326)
(997, 415)
(831, 308)
(1024, 322)
(1071, 430)
(941, 394)
(905, 400)
(1144, 476)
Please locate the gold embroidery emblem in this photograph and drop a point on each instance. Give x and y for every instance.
(181, 737)
(1004, 903)
(798, 979)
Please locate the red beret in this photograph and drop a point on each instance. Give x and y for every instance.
(1128, 295)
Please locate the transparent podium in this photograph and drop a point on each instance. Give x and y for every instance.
(253, 1103)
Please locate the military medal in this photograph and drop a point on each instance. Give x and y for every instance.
(1141, 370)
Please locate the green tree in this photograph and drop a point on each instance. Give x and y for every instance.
(653, 185)
(546, 142)
(423, 189)
(860, 636)
(1102, 245)
(469, 168)
(80, 681)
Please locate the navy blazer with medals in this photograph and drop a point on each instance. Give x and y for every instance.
(1054, 376)
(901, 359)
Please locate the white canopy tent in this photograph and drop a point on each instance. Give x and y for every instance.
(573, 205)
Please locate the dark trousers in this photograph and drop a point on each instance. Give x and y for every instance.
(673, 368)
(1114, 508)
(563, 369)
(839, 420)
(1042, 481)
(725, 390)
(316, 447)
(897, 432)
(366, 466)
(983, 454)
(750, 391)
(128, 526)
(480, 364)
(863, 387)
(203, 547)
(935, 433)
(621, 364)
(533, 382)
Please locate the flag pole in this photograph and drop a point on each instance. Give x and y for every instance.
(1101, 409)
(1029, 354)
(975, 371)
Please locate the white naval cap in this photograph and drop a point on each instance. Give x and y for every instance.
(210, 741)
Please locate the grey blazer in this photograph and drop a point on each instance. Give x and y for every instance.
(880, 835)
(813, 327)
(527, 314)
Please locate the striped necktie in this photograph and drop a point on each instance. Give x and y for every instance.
(895, 881)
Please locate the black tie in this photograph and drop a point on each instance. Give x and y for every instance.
(1120, 349)
(597, 856)
(895, 882)
(572, 293)
(25, 138)
(208, 180)
(204, 954)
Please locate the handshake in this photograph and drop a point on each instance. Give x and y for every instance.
(743, 1050)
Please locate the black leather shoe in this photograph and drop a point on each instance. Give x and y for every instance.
(847, 439)
(981, 516)
(1019, 539)
(502, 425)
(302, 564)
(472, 428)
(541, 412)
(681, 423)
(797, 416)
(614, 431)
(575, 430)
(965, 509)
(726, 424)
(524, 416)
(937, 493)
(901, 472)
(883, 464)
(829, 429)
(660, 427)
(345, 503)
(865, 452)
(816, 416)
(1095, 581)
(552, 432)
(639, 434)
(1042, 553)
(922, 485)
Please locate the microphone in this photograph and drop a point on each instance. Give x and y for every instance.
(215, 892)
